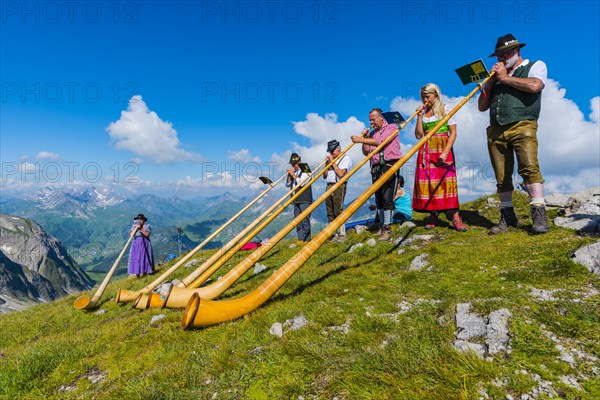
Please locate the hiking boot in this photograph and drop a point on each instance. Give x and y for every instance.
(459, 225)
(508, 219)
(539, 219)
(433, 221)
(386, 232)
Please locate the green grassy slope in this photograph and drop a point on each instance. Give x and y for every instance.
(375, 329)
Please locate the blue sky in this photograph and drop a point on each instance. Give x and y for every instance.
(225, 84)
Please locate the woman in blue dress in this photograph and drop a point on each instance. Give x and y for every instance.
(141, 258)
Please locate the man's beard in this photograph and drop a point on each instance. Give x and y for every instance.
(508, 64)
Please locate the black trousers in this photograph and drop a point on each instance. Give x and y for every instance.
(384, 196)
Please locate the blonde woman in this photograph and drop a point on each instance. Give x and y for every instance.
(435, 177)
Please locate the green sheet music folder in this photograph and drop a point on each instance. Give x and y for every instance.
(473, 72)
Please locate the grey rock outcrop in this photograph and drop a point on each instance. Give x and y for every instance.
(34, 266)
(589, 257)
(580, 211)
(419, 263)
(493, 329)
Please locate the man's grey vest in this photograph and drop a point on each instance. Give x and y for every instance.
(508, 105)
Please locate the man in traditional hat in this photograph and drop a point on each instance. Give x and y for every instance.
(297, 178)
(335, 202)
(513, 96)
(380, 163)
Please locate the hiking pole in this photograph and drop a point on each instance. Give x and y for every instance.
(84, 302)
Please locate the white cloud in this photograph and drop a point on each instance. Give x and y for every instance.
(46, 156)
(243, 156)
(143, 133)
(137, 160)
(569, 144)
(27, 168)
(319, 130)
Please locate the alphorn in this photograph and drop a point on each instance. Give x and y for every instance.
(84, 302)
(200, 279)
(238, 240)
(177, 297)
(126, 295)
(201, 312)
(215, 262)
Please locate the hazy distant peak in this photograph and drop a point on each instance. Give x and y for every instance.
(76, 200)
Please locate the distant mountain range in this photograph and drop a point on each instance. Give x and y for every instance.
(75, 201)
(93, 223)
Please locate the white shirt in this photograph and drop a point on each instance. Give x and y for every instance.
(433, 118)
(538, 70)
(343, 163)
(300, 180)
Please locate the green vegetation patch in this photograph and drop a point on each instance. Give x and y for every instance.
(376, 329)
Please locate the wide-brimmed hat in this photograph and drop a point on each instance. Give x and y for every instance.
(506, 43)
(140, 216)
(294, 158)
(332, 145)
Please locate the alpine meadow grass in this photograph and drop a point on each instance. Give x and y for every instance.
(376, 328)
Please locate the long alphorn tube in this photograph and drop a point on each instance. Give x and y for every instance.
(201, 312)
(313, 178)
(84, 302)
(217, 260)
(178, 297)
(240, 239)
(125, 295)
